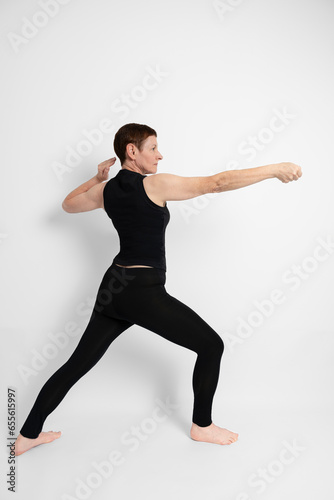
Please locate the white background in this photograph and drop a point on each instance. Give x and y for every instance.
(227, 68)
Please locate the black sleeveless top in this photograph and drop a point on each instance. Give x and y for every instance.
(140, 222)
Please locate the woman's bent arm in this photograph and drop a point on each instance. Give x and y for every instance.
(83, 188)
(88, 196)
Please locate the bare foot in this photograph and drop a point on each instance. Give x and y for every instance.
(212, 434)
(23, 444)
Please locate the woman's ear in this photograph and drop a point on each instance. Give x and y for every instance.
(131, 150)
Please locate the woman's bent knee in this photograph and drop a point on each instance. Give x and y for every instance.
(219, 344)
(214, 344)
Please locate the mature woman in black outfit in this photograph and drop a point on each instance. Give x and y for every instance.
(132, 290)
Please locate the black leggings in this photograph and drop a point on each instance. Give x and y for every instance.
(129, 296)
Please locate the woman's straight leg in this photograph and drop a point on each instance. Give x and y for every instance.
(100, 332)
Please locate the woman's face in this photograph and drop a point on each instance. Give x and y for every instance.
(147, 159)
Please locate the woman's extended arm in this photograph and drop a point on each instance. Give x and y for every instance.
(88, 196)
(235, 179)
(170, 187)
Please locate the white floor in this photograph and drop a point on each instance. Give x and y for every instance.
(280, 454)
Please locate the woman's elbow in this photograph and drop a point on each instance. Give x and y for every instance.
(220, 183)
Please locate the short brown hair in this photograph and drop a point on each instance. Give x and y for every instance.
(135, 133)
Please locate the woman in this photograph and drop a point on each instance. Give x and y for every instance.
(132, 290)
